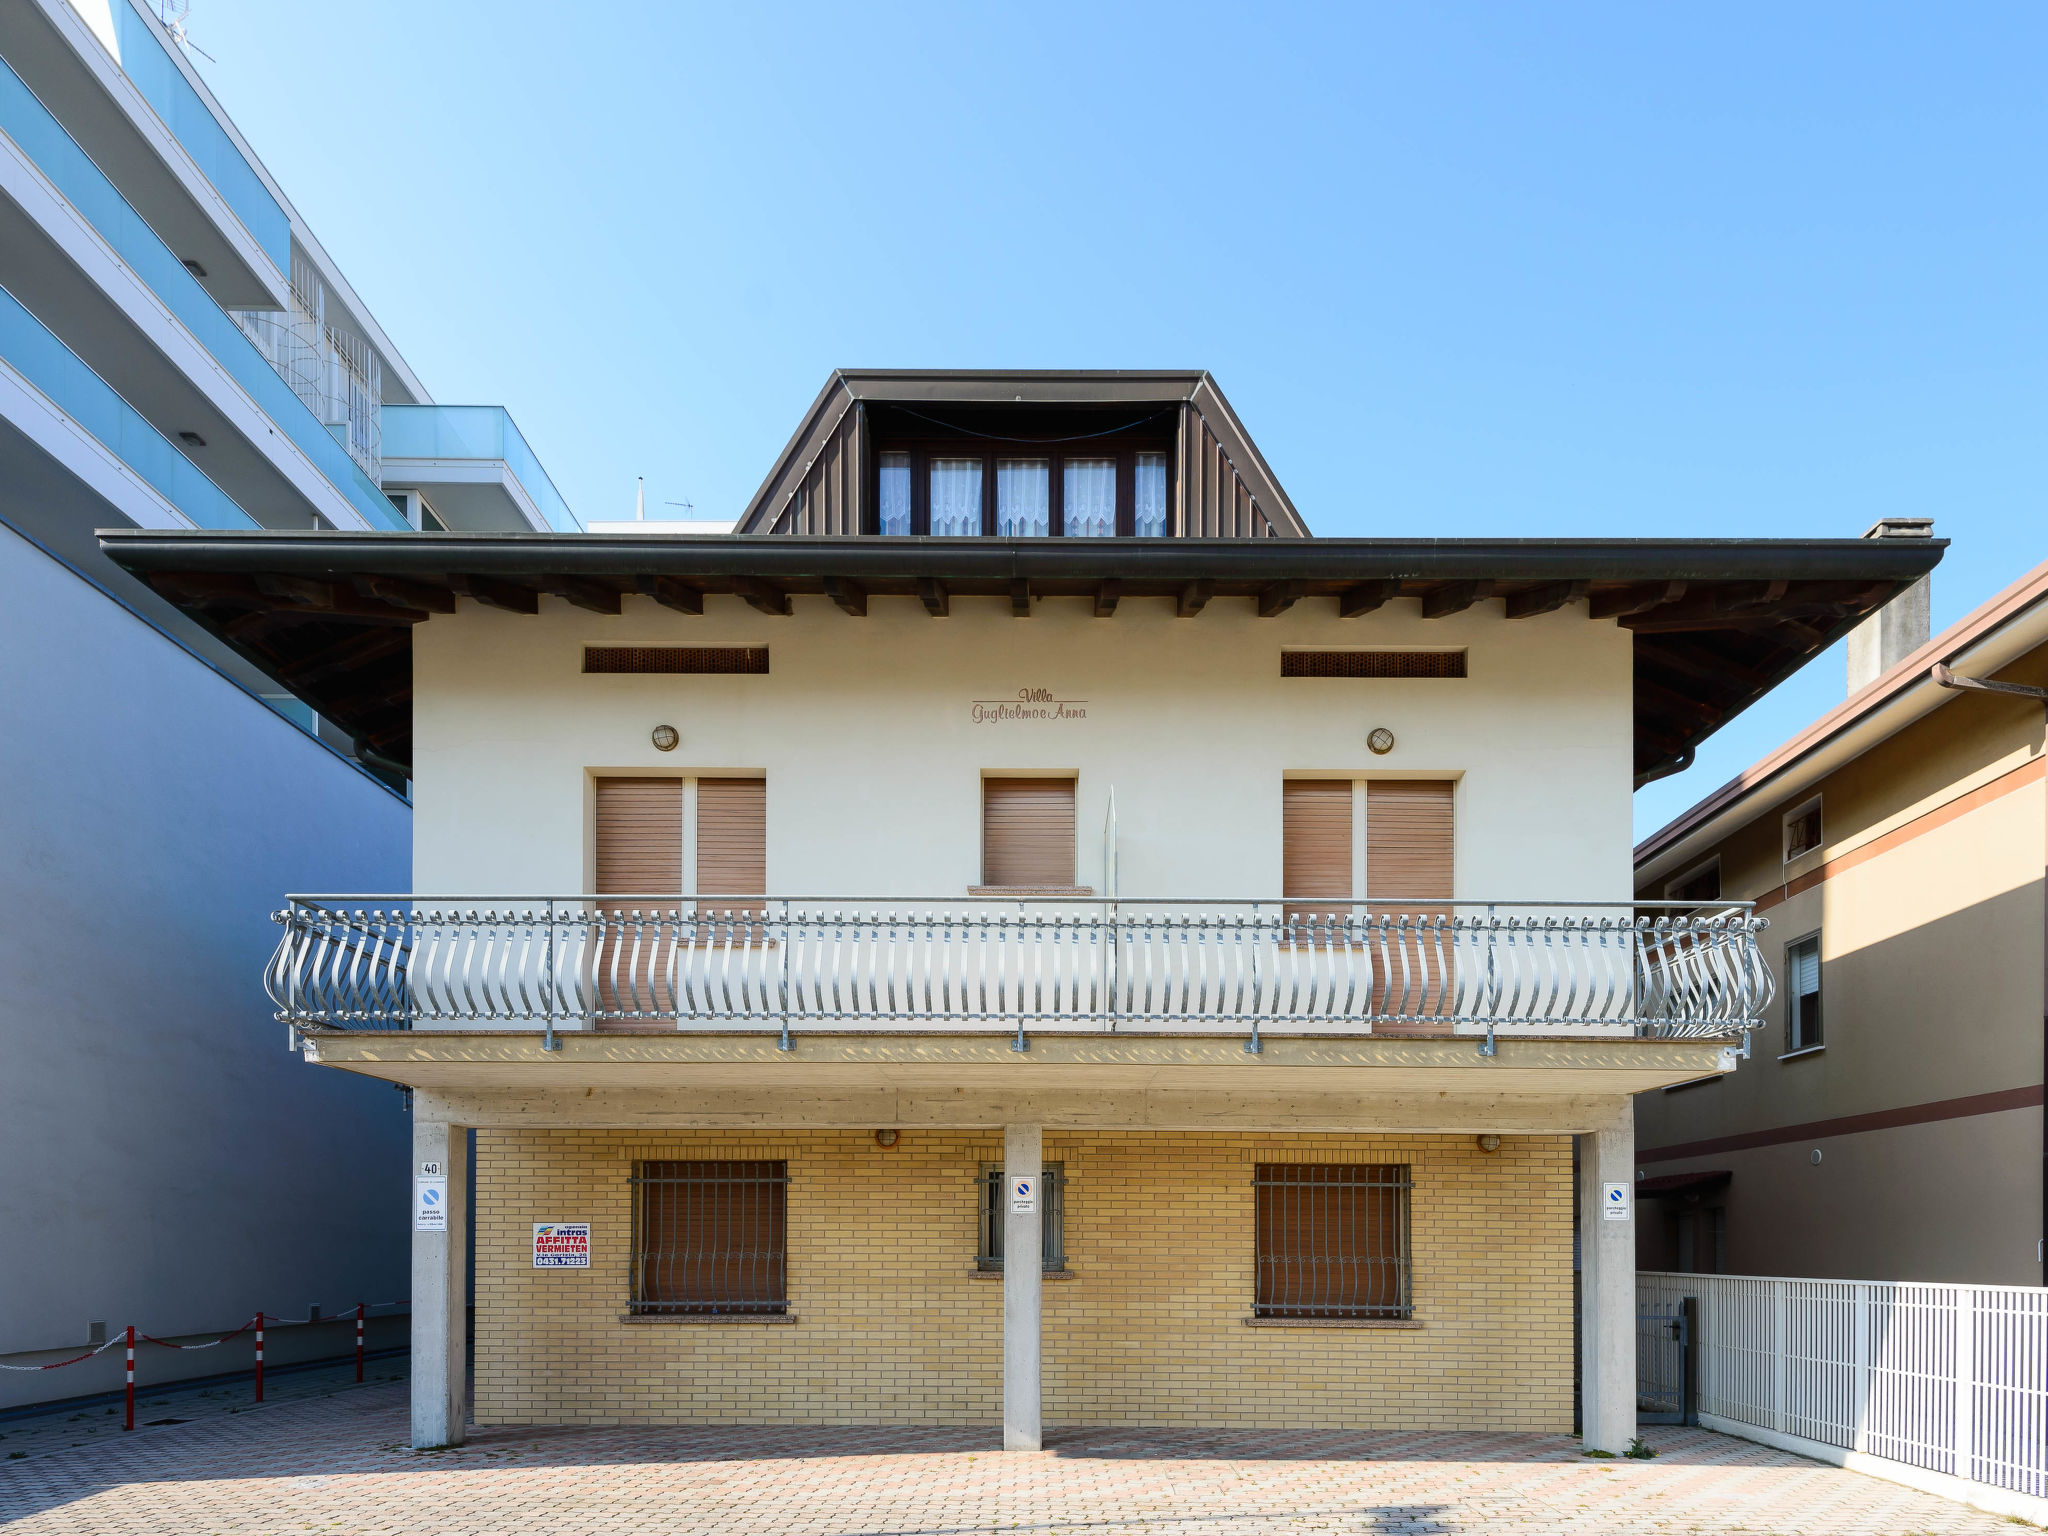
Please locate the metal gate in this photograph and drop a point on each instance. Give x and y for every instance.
(1665, 1362)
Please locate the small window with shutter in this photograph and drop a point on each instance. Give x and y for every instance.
(1409, 848)
(1701, 883)
(1802, 994)
(1027, 835)
(1316, 875)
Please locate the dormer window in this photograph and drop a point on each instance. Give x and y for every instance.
(1022, 475)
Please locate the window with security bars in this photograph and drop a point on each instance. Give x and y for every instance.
(710, 1237)
(1052, 1216)
(1333, 1241)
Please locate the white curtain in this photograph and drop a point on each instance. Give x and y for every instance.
(1023, 498)
(1150, 522)
(956, 498)
(895, 491)
(1090, 487)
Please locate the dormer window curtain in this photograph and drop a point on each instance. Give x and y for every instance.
(1078, 496)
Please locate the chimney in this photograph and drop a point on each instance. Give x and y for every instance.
(1902, 625)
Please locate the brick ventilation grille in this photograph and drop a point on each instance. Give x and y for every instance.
(675, 658)
(1372, 663)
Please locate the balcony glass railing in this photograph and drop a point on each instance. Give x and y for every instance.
(1001, 964)
(476, 432)
(142, 57)
(56, 154)
(27, 346)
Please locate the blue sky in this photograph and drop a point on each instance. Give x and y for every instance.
(1464, 270)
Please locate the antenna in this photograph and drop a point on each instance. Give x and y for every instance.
(176, 15)
(687, 507)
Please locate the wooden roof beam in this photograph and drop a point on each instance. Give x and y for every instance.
(1194, 597)
(428, 597)
(763, 596)
(1547, 598)
(850, 595)
(1020, 598)
(1641, 598)
(1277, 598)
(506, 595)
(1106, 597)
(590, 596)
(1365, 597)
(936, 597)
(1450, 597)
(674, 593)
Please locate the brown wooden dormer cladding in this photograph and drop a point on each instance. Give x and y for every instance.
(1218, 486)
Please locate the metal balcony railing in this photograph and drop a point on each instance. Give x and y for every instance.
(1017, 965)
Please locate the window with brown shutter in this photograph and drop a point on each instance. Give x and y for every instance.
(732, 852)
(1315, 852)
(1027, 833)
(1332, 1240)
(639, 836)
(710, 1237)
(639, 854)
(1408, 876)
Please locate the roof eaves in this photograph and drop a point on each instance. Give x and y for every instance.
(1906, 691)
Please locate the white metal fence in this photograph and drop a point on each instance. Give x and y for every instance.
(1948, 1378)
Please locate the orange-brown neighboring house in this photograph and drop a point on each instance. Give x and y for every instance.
(1890, 1125)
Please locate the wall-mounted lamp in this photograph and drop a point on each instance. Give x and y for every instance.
(885, 1138)
(665, 738)
(1488, 1143)
(1380, 740)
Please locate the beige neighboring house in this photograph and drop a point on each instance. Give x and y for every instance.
(1891, 1125)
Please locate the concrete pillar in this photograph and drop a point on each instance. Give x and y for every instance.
(1023, 1279)
(440, 1282)
(1607, 1288)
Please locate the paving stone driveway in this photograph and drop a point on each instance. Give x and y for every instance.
(339, 1464)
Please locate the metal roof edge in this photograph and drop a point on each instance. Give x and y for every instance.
(1875, 712)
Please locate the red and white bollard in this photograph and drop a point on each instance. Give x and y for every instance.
(259, 1357)
(359, 1341)
(131, 1378)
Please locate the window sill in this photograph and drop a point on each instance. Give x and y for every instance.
(1031, 890)
(1044, 1274)
(1804, 1050)
(723, 1319)
(1332, 1322)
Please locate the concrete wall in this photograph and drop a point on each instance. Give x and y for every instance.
(1927, 896)
(168, 1162)
(865, 731)
(893, 1324)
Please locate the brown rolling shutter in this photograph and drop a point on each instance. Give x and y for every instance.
(732, 837)
(1408, 840)
(639, 836)
(639, 854)
(1315, 855)
(1408, 843)
(732, 852)
(1027, 832)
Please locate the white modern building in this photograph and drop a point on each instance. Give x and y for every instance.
(177, 351)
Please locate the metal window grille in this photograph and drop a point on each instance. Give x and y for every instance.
(710, 1237)
(1333, 1240)
(700, 659)
(1052, 1190)
(1372, 664)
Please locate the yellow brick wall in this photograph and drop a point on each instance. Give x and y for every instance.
(892, 1324)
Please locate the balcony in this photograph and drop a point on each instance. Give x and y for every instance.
(174, 395)
(90, 404)
(1017, 968)
(474, 466)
